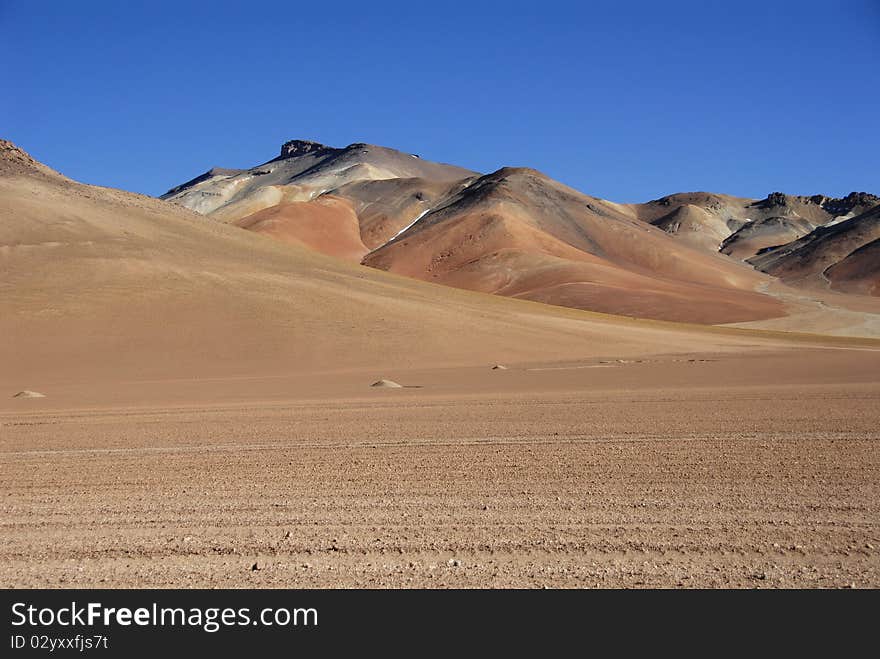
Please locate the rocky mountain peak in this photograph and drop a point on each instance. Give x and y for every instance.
(9, 153)
(15, 160)
(295, 148)
(849, 202)
(832, 205)
(775, 199)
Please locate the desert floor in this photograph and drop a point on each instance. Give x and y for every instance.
(757, 468)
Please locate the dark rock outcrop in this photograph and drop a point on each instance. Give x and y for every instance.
(295, 148)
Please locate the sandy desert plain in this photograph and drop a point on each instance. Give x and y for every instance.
(208, 420)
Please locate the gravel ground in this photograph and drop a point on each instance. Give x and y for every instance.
(705, 486)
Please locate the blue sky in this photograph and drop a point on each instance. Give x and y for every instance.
(623, 100)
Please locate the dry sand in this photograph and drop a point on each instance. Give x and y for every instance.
(758, 469)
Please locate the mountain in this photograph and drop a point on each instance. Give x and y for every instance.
(517, 233)
(327, 224)
(385, 208)
(742, 227)
(700, 219)
(859, 271)
(100, 285)
(754, 237)
(303, 170)
(841, 255)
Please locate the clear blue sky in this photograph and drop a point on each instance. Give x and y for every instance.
(623, 100)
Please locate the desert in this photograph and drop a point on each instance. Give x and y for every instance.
(188, 402)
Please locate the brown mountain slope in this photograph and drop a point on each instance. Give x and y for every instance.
(755, 237)
(327, 224)
(696, 226)
(701, 219)
(712, 221)
(822, 258)
(720, 205)
(303, 171)
(518, 233)
(387, 207)
(859, 272)
(102, 285)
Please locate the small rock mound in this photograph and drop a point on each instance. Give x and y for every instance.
(387, 384)
(499, 367)
(29, 394)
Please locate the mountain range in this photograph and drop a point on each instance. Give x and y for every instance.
(691, 257)
(98, 284)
